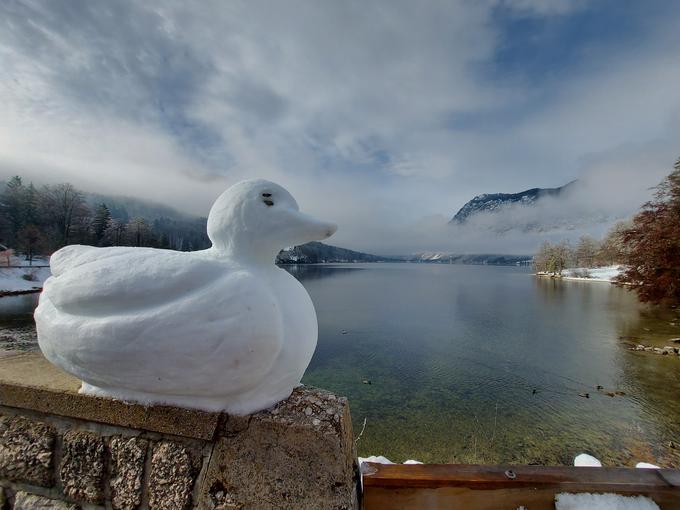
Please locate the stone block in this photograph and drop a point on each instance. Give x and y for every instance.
(299, 454)
(128, 455)
(171, 479)
(82, 468)
(26, 451)
(26, 501)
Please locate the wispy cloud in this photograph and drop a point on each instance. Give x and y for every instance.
(374, 114)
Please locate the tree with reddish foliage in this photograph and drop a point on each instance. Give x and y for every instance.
(653, 246)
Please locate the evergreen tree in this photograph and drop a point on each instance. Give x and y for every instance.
(31, 205)
(13, 208)
(139, 233)
(653, 245)
(100, 222)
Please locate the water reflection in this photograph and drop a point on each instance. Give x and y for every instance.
(305, 272)
(17, 329)
(481, 364)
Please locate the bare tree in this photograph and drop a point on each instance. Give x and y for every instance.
(653, 246)
(542, 258)
(114, 234)
(63, 206)
(586, 251)
(31, 241)
(554, 258)
(139, 232)
(612, 249)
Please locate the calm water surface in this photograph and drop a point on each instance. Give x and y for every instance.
(453, 363)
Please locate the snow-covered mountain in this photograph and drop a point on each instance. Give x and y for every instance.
(496, 202)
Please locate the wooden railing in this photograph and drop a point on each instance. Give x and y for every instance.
(472, 487)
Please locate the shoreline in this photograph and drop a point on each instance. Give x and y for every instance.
(8, 293)
(571, 278)
(606, 274)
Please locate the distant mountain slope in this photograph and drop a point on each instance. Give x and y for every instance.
(191, 231)
(315, 252)
(181, 231)
(125, 208)
(495, 202)
(480, 259)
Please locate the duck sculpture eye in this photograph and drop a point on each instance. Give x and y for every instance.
(267, 200)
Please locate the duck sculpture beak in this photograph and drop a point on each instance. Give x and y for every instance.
(302, 228)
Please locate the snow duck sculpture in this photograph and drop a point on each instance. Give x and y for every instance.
(218, 329)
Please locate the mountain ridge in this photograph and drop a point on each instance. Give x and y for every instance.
(494, 202)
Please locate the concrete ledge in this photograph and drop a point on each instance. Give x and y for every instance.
(29, 381)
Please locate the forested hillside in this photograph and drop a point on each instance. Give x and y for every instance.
(40, 220)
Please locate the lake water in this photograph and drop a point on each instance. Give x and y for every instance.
(482, 364)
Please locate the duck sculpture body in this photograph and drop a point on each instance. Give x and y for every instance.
(218, 329)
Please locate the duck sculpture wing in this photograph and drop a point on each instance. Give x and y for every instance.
(95, 281)
(158, 321)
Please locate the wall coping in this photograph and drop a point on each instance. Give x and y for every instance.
(29, 381)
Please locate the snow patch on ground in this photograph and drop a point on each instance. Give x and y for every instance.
(585, 460)
(17, 279)
(646, 465)
(588, 274)
(585, 501)
(596, 274)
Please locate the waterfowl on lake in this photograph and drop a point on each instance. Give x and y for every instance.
(218, 329)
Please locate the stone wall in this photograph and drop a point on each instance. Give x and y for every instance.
(298, 455)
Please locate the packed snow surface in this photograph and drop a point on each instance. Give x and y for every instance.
(378, 459)
(587, 501)
(646, 465)
(218, 329)
(585, 460)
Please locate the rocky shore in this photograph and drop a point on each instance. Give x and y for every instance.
(667, 350)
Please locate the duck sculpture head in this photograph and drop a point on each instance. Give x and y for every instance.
(252, 221)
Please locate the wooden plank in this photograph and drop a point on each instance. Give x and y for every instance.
(494, 477)
(459, 498)
(479, 487)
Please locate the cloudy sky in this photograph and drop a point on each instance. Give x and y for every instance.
(385, 116)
